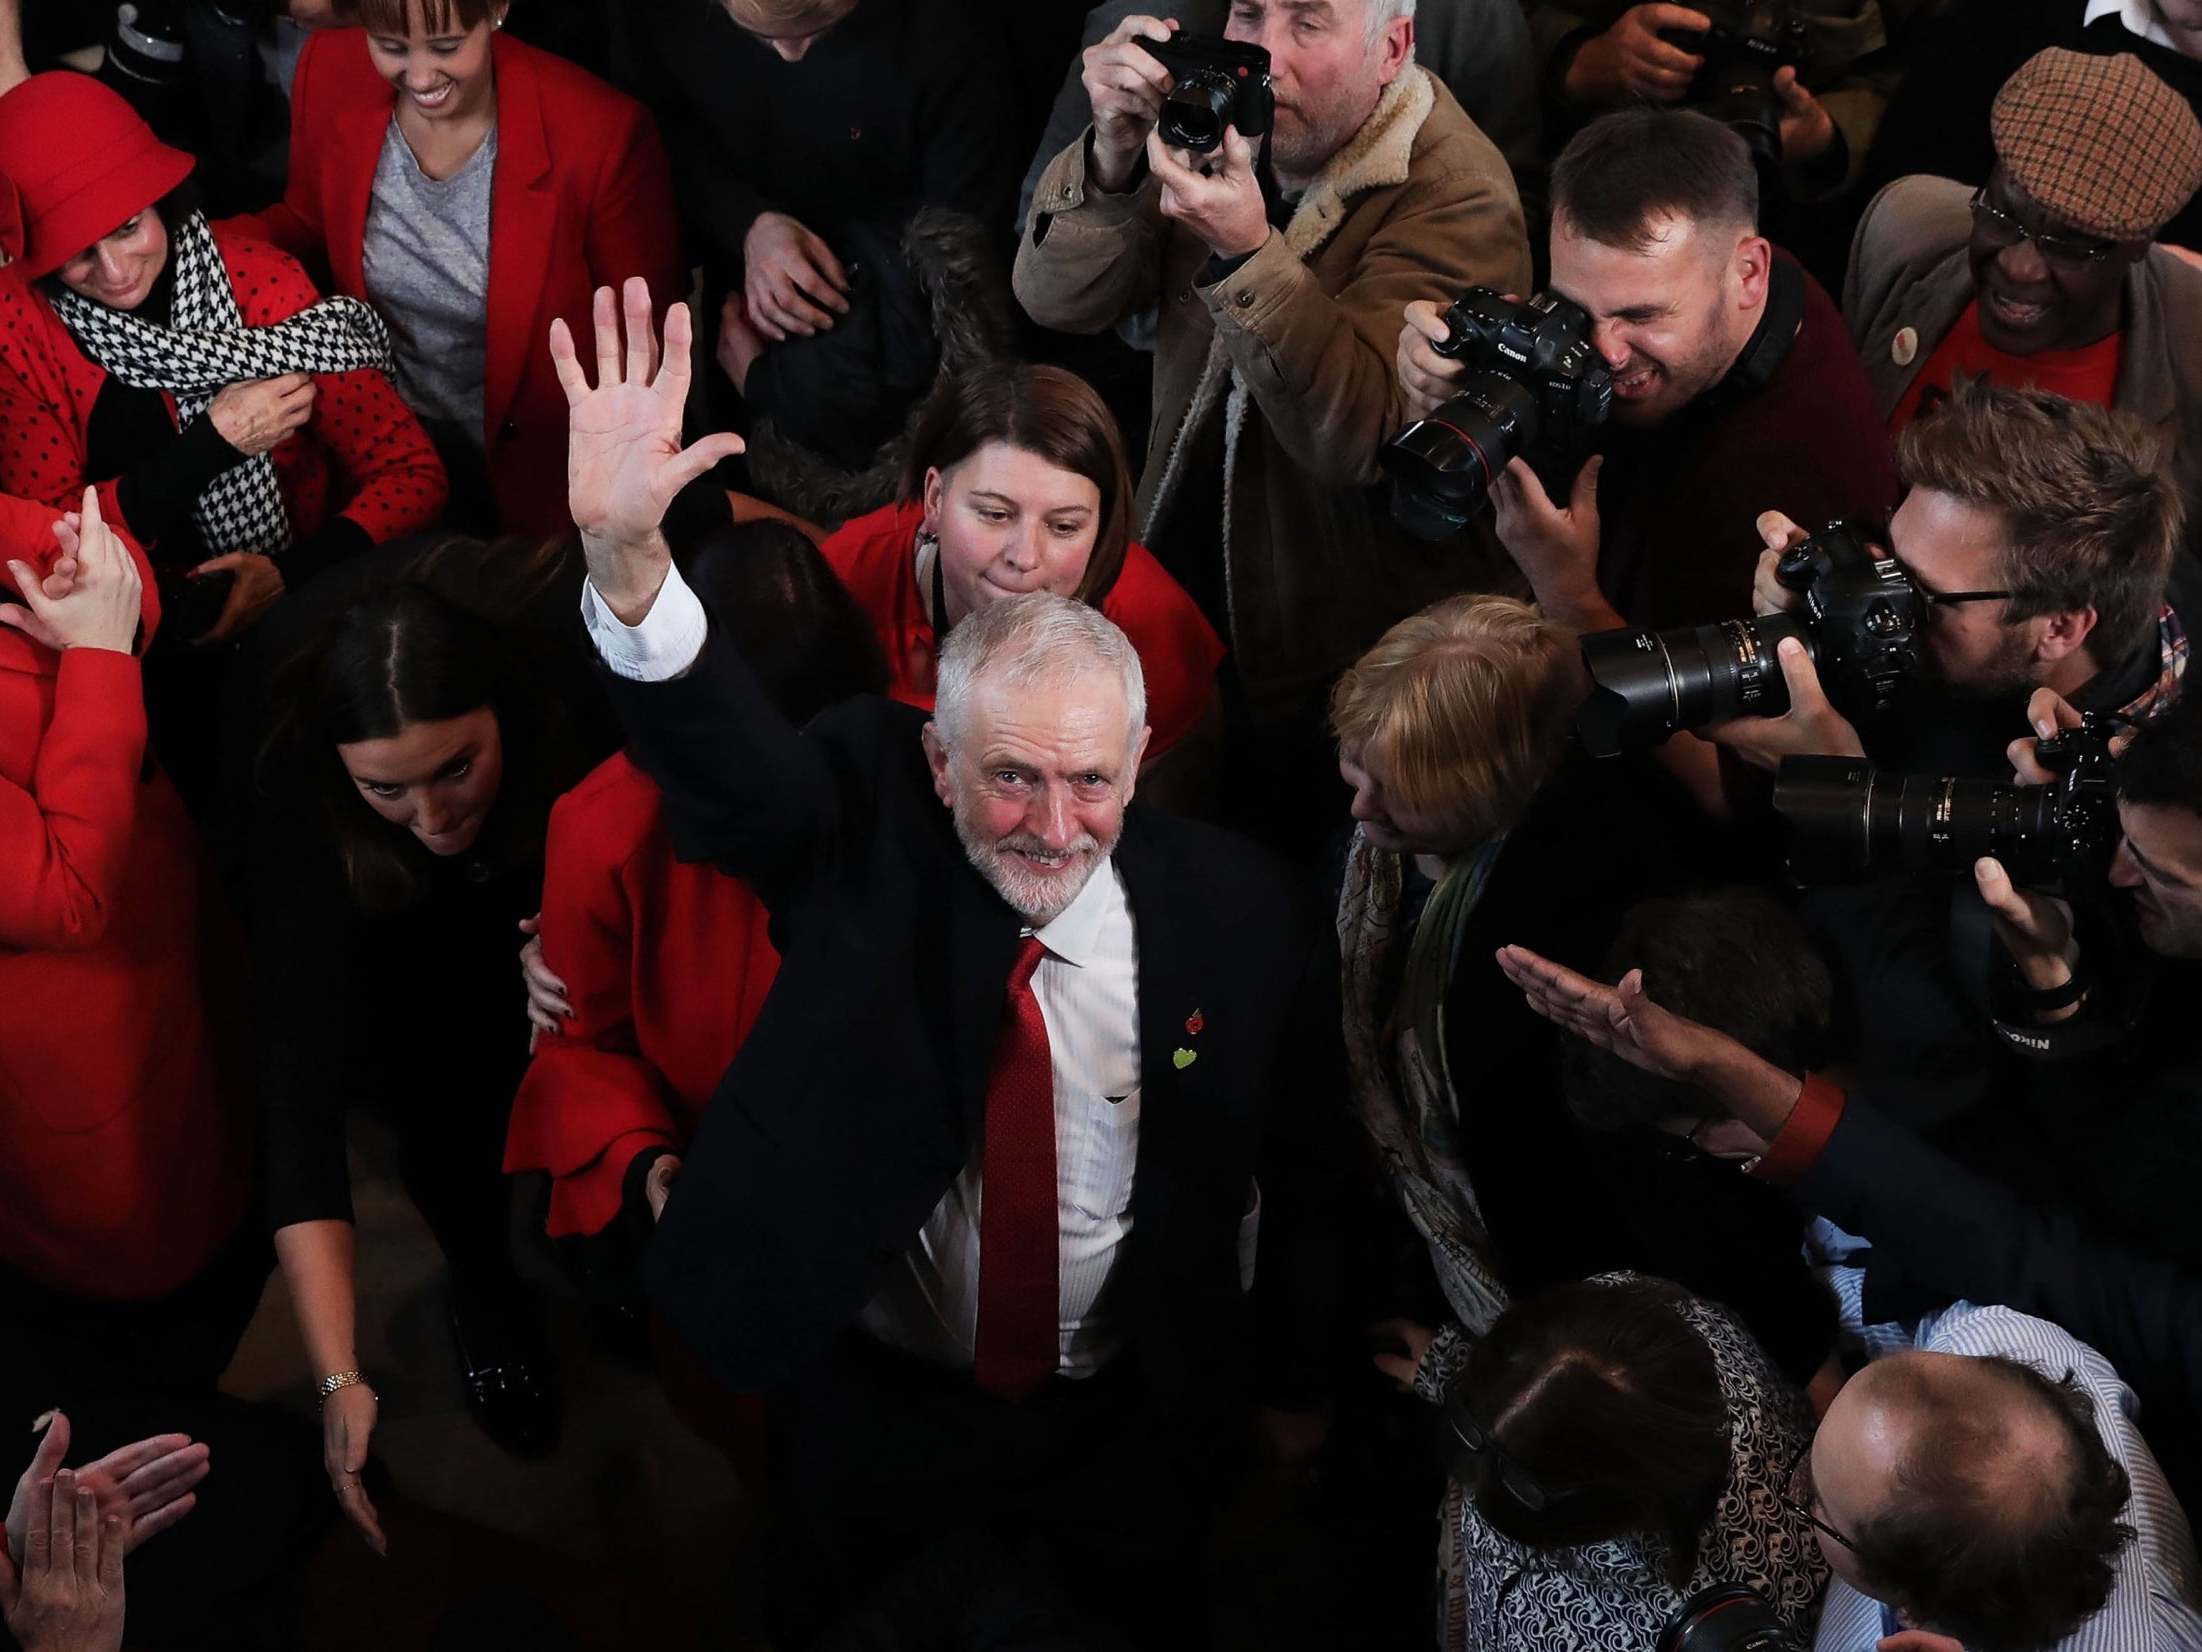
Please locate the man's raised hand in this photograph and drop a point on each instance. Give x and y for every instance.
(624, 459)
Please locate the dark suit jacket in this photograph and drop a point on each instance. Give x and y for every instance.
(1934, 1223)
(859, 1094)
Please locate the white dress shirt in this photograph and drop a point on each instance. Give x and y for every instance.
(1087, 985)
(2152, 1602)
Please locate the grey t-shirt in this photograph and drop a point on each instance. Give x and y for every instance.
(427, 270)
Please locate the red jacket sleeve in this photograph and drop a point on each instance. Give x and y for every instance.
(633, 223)
(66, 841)
(42, 457)
(589, 1101)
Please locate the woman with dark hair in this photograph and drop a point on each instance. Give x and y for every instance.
(471, 187)
(236, 423)
(405, 792)
(1017, 482)
(650, 968)
(1616, 1446)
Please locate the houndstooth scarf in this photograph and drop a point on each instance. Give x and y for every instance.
(207, 346)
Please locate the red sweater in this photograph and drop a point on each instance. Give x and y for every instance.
(125, 1131)
(666, 965)
(1177, 647)
(362, 455)
(581, 198)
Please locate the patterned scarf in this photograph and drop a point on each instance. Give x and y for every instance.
(1396, 1058)
(207, 346)
(2172, 639)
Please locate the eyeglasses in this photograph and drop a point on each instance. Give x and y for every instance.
(1800, 1503)
(2000, 229)
(1933, 598)
(1471, 1441)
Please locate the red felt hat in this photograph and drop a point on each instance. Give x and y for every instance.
(79, 162)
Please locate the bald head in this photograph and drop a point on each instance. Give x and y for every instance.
(1977, 1496)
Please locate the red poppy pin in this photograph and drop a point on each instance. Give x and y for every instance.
(1193, 1024)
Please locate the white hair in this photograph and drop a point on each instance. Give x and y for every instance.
(1022, 642)
(1384, 13)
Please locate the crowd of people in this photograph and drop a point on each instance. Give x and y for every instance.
(1444, 800)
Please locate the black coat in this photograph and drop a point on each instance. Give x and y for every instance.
(859, 1094)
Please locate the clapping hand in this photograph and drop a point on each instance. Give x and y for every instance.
(99, 603)
(624, 459)
(66, 1595)
(153, 1481)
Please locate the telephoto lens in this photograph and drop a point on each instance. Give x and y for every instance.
(1848, 820)
(1649, 685)
(1729, 1617)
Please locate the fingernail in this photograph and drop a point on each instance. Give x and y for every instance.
(39, 1423)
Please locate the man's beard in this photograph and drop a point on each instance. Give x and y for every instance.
(2006, 672)
(1038, 898)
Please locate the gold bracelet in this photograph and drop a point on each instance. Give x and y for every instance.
(336, 1380)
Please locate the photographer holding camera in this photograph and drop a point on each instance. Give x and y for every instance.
(1982, 1479)
(2046, 275)
(1273, 382)
(2041, 534)
(1729, 366)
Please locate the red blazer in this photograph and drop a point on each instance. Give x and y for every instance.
(582, 198)
(1177, 647)
(361, 455)
(125, 1130)
(666, 965)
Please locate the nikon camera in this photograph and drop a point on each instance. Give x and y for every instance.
(1861, 623)
(1535, 389)
(1749, 41)
(1849, 820)
(1216, 83)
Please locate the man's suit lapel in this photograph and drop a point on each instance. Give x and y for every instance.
(1169, 994)
(983, 934)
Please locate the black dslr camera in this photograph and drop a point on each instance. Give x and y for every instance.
(1849, 820)
(1729, 1617)
(1748, 42)
(1218, 83)
(1861, 623)
(1535, 389)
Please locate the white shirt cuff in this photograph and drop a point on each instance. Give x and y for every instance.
(663, 646)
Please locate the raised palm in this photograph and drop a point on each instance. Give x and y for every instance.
(624, 459)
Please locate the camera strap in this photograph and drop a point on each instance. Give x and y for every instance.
(1776, 332)
(2112, 978)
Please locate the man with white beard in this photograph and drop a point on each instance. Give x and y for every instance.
(996, 977)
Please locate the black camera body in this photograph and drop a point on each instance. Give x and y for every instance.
(1218, 83)
(1849, 820)
(1535, 389)
(1743, 51)
(1728, 1617)
(1861, 624)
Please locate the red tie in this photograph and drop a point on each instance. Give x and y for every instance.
(1019, 1224)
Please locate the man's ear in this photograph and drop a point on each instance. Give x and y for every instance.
(936, 758)
(1753, 267)
(2063, 635)
(1396, 49)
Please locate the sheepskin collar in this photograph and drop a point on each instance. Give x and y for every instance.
(1379, 156)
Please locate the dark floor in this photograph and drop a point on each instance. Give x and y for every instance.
(635, 1533)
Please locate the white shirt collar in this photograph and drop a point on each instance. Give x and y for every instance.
(2138, 16)
(1074, 934)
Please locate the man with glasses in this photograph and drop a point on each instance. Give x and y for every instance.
(2045, 275)
(2043, 534)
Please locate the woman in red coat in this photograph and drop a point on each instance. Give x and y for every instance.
(237, 425)
(126, 1145)
(650, 969)
(1017, 482)
(472, 187)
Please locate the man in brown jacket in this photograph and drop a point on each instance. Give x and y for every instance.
(1274, 387)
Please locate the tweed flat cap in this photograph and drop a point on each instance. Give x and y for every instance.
(2098, 141)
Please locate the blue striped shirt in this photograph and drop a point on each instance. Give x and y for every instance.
(2152, 1605)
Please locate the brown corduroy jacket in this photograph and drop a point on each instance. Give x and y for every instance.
(1910, 274)
(1293, 351)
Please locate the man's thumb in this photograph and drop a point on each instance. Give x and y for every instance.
(1797, 672)
(1585, 496)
